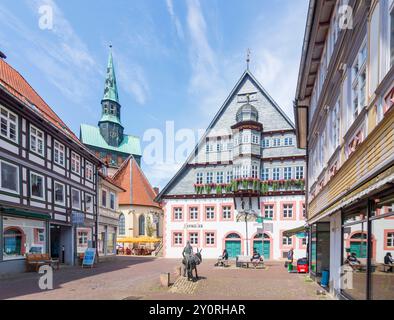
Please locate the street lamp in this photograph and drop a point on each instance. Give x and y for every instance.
(247, 215)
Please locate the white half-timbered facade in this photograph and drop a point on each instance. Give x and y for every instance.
(48, 179)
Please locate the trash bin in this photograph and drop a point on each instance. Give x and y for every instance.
(290, 267)
(325, 278)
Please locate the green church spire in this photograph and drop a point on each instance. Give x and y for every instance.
(111, 89)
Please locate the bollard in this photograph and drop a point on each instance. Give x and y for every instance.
(178, 271)
(165, 279)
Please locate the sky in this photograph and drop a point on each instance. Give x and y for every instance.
(175, 60)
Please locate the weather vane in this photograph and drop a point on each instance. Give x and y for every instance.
(247, 58)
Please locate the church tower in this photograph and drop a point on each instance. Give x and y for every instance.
(110, 126)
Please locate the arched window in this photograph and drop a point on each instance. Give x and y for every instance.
(233, 236)
(13, 242)
(122, 223)
(258, 236)
(141, 225)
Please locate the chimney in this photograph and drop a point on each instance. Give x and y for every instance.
(156, 190)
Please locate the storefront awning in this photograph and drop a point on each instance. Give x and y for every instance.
(138, 240)
(25, 213)
(300, 232)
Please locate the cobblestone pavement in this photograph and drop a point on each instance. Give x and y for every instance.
(138, 278)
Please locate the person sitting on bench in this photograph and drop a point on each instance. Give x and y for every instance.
(256, 258)
(222, 259)
(388, 260)
(352, 261)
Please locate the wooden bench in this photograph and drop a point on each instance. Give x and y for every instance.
(245, 261)
(36, 260)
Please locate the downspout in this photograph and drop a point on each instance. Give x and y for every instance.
(97, 214)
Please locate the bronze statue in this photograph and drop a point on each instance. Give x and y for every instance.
(190, 261)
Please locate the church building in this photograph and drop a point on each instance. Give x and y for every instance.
(243, 186)
(108, 140)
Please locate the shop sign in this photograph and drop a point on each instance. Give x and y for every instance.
(89, 256)
(193, 226)
(77, 217)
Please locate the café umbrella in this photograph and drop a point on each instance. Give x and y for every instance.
(144, 239)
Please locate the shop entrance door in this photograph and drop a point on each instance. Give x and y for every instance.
(55, 241)
(233, 248)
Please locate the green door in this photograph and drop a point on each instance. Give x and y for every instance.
(258, 246)
(359, 248)
(233, 248)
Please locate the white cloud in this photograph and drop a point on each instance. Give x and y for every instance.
(175, 19)
(59, 53)
(132, 78)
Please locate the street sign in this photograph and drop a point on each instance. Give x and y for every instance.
(89, 256)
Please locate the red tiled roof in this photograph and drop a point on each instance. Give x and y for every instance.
(140, 192)
(14, 83)
(111, 181)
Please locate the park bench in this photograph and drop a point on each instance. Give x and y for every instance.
(222, 262)
(245, 261)
(36, 260)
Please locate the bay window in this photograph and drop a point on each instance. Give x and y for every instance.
(265, 173)
(199, 179)
(9, 177)
(219, 177)
(288, 173)
(275, 174)
(299, 172)
(8, 124)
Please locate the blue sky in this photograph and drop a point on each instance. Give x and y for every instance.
(175, 60)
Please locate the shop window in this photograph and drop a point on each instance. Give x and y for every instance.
(110, 243)
(23, 236)
(9, 177)
(382, 242)
(355, 252)
(84, 239)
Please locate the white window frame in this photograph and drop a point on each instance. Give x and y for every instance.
(287, 241)
(193, 213)
(17, 178)
(72, 199)
(276, 174)
(86, 202)
(178, 213)
(227, 212)
(276, 142)
(178, 238)
(229, 177)
(75, 162)
(220, 177)
(209, 177)
(62, 203)
(200, 178)
(287, 173)
(5, 120)
(89, 171)
(288, 211)
(210, 238)
(265, 174)
(269, 211)
(299, 172)
(38, 140)
(43, 186)
(61, 154)
(355, 91)
(112, 194)
(210, 210)
(193, 238)
(106, 198)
